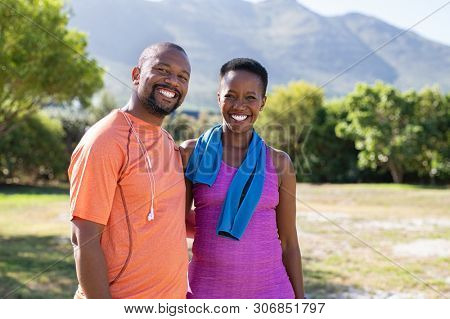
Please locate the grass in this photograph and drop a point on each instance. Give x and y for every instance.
(35, 252)
(36, 256)
(380, 217)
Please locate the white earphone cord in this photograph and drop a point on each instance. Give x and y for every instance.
(148, 166)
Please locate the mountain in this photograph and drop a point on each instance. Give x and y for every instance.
(292, 41)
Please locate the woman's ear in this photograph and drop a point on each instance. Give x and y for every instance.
(135, 75)
(263, 103)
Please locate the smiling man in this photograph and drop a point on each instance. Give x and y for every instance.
(127, 190)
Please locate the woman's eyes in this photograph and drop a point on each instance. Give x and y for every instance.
(249, 98)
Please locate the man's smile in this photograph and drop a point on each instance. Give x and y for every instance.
(167, 93)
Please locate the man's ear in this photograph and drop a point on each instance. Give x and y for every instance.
(135, 75)
(218, 97)
(263, 103)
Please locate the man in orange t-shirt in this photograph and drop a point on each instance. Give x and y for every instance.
(127, 191)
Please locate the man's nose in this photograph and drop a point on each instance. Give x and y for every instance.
(172, 80)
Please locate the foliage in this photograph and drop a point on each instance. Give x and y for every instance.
(33, 148)
(297, 120)
(335, 159)
(106, 104)
(184, 127)
(400, 132)
(287, 120)
(76, 120)
(42, 62)
(433, 112)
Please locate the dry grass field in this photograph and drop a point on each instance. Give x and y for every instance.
(375, 241)
(357, 241)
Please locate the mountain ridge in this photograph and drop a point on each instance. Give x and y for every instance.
(292, 41)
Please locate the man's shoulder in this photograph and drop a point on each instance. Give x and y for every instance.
(106, 135)
(108, 125)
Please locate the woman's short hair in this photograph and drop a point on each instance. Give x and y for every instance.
(248, 65)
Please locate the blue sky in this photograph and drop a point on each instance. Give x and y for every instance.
(401, 13)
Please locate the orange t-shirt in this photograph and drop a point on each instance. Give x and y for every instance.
(110, 185)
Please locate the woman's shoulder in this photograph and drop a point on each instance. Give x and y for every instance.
(281, 161)
(279, 157)
(186, 149)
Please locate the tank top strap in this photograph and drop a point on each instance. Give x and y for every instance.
(270, 167)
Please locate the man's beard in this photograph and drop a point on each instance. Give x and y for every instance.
(155, 108)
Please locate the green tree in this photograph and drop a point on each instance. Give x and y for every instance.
(336, 158)
(33, 149)
(433, 114)
(384, 125)
(298, 121)
(106, 104)
(183, 126)
(75, 121)
(41, 61)
(288, 120)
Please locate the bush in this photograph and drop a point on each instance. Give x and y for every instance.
(33, 149)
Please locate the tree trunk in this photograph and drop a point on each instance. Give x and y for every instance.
(396, 171)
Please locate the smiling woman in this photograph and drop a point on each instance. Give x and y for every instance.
(245, 230)
(241, 99)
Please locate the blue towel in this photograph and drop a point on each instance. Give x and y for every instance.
(246, 187)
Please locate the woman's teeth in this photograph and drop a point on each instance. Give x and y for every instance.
(167, 94)
(239, 118)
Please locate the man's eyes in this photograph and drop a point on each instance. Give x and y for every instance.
(166, 71)
(183, 78)
(162, 70)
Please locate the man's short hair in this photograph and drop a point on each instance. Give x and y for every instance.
(154, 48)
(248, 65)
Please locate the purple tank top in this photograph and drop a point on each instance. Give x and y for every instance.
(249, 268)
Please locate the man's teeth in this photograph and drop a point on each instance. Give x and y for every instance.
(239, 117)
(166, 93)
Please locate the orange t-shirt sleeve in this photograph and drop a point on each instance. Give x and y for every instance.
(93, 174)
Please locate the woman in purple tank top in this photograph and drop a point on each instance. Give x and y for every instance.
(266, 262)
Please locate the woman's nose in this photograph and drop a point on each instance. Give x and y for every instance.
(240, 103)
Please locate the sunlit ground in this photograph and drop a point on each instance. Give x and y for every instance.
(357, 241)
(375, 241)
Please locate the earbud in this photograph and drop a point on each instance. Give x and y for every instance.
(151, 214)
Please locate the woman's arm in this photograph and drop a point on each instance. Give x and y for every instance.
(186, 149)
(286, 221)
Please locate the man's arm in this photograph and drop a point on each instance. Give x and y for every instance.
(89, 259)
(186, 148)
